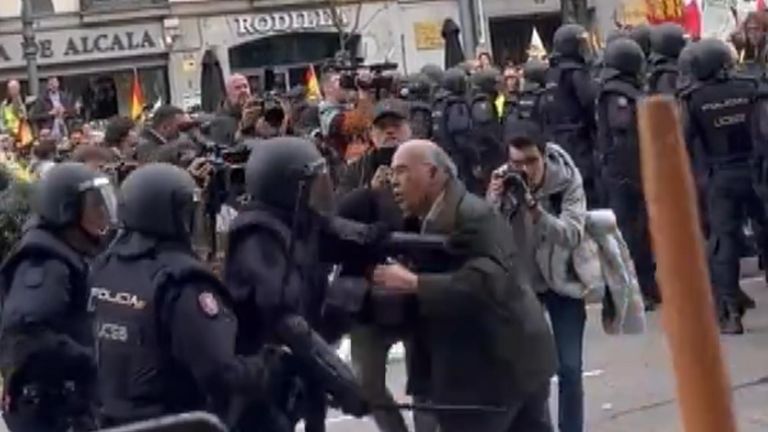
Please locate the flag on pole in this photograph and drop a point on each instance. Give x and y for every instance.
(137, 97)
(313, 86)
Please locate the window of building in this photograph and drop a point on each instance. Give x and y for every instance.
(111, 4)
(41, 7)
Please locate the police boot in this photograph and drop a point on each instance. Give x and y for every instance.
(745, 302)
(730, 321)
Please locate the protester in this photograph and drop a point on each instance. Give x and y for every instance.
(478, 311)
(163, 128)
(53, 110)
(226, 124)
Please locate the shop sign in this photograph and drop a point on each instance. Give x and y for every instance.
(75, 45)
(284, 22)
(428, 35)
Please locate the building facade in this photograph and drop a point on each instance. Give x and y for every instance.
(98, 46)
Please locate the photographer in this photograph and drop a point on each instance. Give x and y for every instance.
(541, 187)
(389, 129)
(224, 128)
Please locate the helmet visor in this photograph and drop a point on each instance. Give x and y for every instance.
(321, 197)
(100, 201)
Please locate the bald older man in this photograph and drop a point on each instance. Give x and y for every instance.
(487, 338)
(225, 125)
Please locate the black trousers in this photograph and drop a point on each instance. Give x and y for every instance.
(530, 414)
(731, 200)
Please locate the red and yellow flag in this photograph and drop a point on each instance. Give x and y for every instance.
(137, 97)
(313, 86)
(24, 135)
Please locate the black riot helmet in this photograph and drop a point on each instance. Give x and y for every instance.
(667, 40)
(570, 41)
(685, 66)
(455, 81)
(623, 57)
(159, 200)
(486, 81)
(416, 87)
(642, 35)
(285, 171)
(711, 59)
(433, 72)
(535, 71)
(69, 189)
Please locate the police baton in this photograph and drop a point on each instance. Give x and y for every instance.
(428, 407)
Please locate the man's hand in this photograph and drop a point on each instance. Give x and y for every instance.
(496, 186)
(381, 177)
(395, 277)
(200, 170)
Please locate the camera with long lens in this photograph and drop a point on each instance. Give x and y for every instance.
(379, 81)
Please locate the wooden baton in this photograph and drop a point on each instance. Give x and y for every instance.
(688, 313)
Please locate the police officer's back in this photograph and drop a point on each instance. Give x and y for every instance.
(619, 154)
(720, 121)
(45, 296)
(165, 333)
(667, 40)
(569, 103)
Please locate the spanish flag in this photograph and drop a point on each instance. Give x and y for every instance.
(137, 97)
(24, 134)
(313, 86)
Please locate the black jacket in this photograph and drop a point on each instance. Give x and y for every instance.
(148, 146)
(487, 336)
(223, 128)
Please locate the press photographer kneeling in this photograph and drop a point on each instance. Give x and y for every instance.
(539, 190)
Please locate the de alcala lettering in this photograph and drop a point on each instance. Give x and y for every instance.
(88, 44)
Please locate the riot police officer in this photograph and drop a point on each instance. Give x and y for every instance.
(720, 115)
(667, 40)
(46, 341)
(528, 106)
(452, 123)
(165, 331)
(618, 150)
(569, 103)
(486, 126)
(277, 271)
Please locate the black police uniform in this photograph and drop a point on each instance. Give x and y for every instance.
(720, 121)
(486, 127)
(452, 123)
(277, 272)
(619, 155)
(569, 105)
(45, 320)
(529, 103)
(164, 329)
(666, 40)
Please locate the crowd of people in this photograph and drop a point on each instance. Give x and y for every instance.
(451, 210)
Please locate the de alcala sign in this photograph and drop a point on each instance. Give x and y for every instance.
(67, 46)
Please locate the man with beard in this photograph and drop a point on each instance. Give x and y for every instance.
(163, 128)
(224, 128)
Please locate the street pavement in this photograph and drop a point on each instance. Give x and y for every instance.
(629, 383)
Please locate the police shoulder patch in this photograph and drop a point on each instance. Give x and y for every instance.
(208, 304)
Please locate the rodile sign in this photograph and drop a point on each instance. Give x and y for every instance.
(281, 22)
